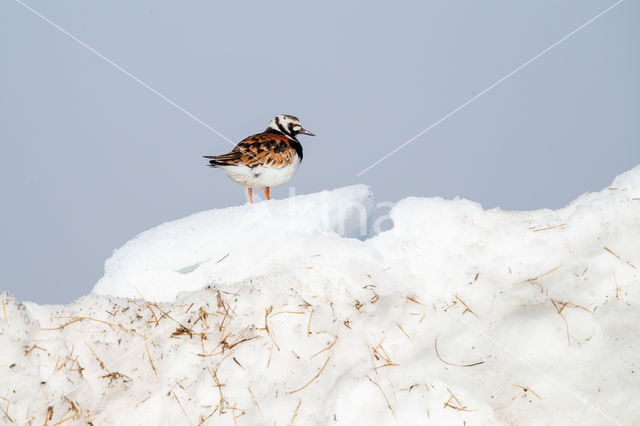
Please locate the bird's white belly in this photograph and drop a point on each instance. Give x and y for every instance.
(261, 177)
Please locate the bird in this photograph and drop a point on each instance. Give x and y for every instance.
(264, 160)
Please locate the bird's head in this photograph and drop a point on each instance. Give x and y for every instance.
(288, 125)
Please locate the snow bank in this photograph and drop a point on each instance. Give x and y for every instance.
(284, 312)
(235, 243)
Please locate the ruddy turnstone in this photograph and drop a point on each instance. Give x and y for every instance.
(267, 159)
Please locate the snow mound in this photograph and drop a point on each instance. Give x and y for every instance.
(235, 243)
(286, 312)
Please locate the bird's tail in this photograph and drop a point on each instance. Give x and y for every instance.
(215, 161)
(229, 159)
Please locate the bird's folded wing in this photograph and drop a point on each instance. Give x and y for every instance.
(258, 150)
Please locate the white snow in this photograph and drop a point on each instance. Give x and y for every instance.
(260, 239)
(286, 312)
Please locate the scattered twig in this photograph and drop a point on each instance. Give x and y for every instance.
(288, 312)
(545, 274)
(189, 308)
(379, 353)
(28, 351)
(66, 419)
(223, 258)
(49, 415)
(267, 312)
(6, 413)
(526, 389)
(227, 310)
(380, 344)
(4, 310)
(385, 397)
(411, 299)
(202, 317)
(625, 261)
(313, 379)
(389, 364)
(404, 332)
(214, 376)
(435, 344)
(180, 404)
(78, 319)
(534, 281)
(618, 289)
(233, 413)
(327, 348)
(181, 331)
(237, 362)
(115, 376)
(148, 305)
(309, 323)
(270, 353)
(72, 406)
(295, 413)
(236, 343)
(182, 326)
(146, 346)
(559, 307)
(550, 227)
(467, 308)
(55, 367)
(204, 419)
(458, 407)
(97, 358)
(255, 401)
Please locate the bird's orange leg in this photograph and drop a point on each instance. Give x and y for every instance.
(266, 192)
(251, 195)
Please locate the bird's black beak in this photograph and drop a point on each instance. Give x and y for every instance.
(305, 132)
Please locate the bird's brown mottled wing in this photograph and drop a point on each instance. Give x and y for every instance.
(263, 149)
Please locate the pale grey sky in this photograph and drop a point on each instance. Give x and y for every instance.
(91, 157)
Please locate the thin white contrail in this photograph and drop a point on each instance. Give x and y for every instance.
(101, 56)
(490, 87)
